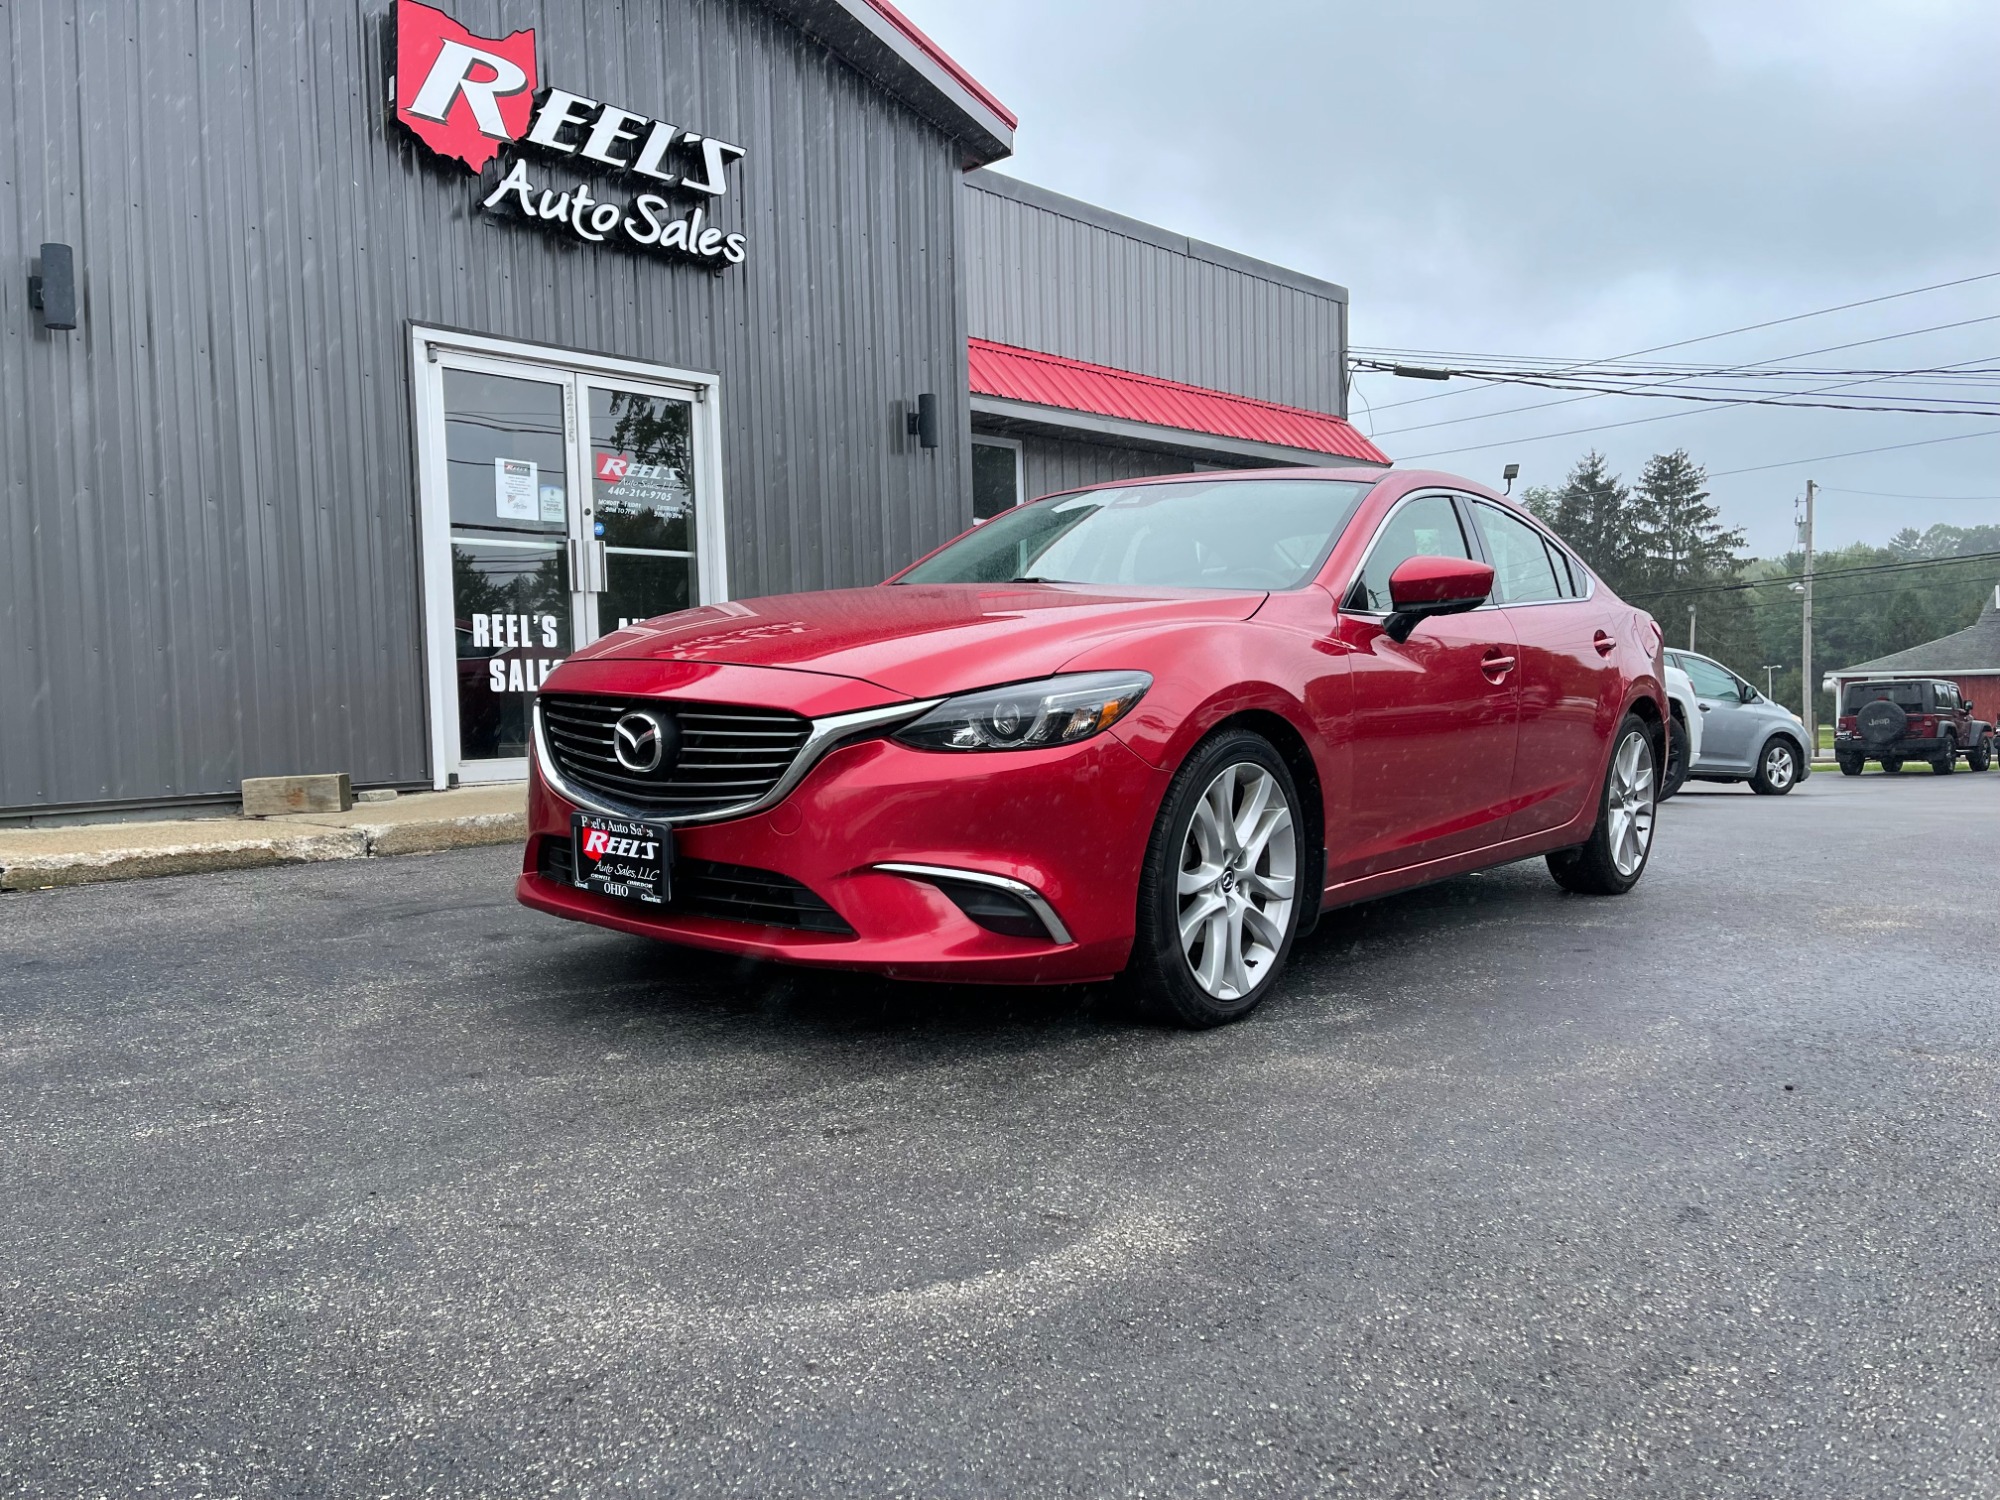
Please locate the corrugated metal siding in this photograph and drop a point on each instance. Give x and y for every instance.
(210, 563)
(1037, 278)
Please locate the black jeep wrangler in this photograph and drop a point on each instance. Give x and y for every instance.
(1909, 719)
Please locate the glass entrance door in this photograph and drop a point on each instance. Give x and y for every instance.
(558, 505)
(641, 466)
(514, 603)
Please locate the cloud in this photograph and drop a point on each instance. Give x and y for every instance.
(1574, 179)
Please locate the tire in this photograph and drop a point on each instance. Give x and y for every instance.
(1980, 756)
(1881, 723)
(1229, 963)
(1611, 863)
(1946, 760)
(1677, 759)
(1850, 765)
(1777, 768)
(1892, 763)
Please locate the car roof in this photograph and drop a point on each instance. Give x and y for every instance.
(1402, 479)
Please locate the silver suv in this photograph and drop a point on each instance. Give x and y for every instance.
(1744, 735)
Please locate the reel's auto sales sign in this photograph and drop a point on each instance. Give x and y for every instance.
(469, 97)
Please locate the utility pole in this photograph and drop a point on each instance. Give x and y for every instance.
(1690, 627)
(1806, 684)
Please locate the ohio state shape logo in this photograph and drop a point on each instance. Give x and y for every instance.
(464, 96)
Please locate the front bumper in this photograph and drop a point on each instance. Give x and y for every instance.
(1071, 824)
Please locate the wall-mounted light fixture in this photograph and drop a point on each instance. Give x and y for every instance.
(54, 290)
(922, 420)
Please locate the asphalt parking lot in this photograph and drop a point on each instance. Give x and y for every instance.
(357, 1179)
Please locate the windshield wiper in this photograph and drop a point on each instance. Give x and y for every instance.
(1037, 578)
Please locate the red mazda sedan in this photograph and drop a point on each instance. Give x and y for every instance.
(1151, 729)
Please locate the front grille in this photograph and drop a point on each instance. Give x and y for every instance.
(708, 888)
(727, 755)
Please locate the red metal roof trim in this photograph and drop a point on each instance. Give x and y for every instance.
(1050, 380)
(943, 59)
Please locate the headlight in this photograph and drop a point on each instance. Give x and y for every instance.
(1029, 715)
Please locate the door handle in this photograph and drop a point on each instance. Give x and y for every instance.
(587, 567)
(1496, 665)
(1704, 707)
(1604, 642)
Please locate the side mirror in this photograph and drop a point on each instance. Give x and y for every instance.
(1425, 586)
(1747, 693)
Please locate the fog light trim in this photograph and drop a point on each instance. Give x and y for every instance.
(943, 877)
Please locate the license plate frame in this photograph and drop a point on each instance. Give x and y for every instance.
(632, 860)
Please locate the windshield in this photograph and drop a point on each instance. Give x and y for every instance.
(1220, 534)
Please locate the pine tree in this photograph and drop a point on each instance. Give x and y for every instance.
(1592, 512)
(1540, 502)
(1678, 530)
(1907, 543)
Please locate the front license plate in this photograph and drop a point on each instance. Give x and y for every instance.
(618, 857)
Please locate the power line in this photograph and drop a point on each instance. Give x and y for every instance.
(1838, 609)
(1821, 458)
(1720, 396)
(1898, 495)
(1481, 364)
(1746, 328)
(1666, 417)
(1753, 365)
(1820, 575)
(1496, 369)
(1790, 463)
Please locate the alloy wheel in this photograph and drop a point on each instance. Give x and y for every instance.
(1778, 769)
(1631, 804)
(1238, 875)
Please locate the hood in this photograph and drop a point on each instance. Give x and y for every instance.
(922, 640)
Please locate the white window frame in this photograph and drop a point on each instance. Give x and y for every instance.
(434, 504)
(1020, 464)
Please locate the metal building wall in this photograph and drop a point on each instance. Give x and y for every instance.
(1050, 273)
(208, 548)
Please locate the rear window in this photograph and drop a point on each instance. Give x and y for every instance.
(1523, 571)
(1908, 696)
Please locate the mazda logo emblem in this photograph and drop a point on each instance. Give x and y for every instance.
(639, 740)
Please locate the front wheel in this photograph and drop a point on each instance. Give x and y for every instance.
(1892, 763)
(1947, 758)
(1614, 859)
(1223, 886)
(1980, 756)
(1777, 769)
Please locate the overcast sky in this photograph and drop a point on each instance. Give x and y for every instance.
(1577, 179)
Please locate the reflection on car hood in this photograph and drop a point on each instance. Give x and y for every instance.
(919, 639)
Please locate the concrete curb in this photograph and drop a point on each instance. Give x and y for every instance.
(357, 841)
